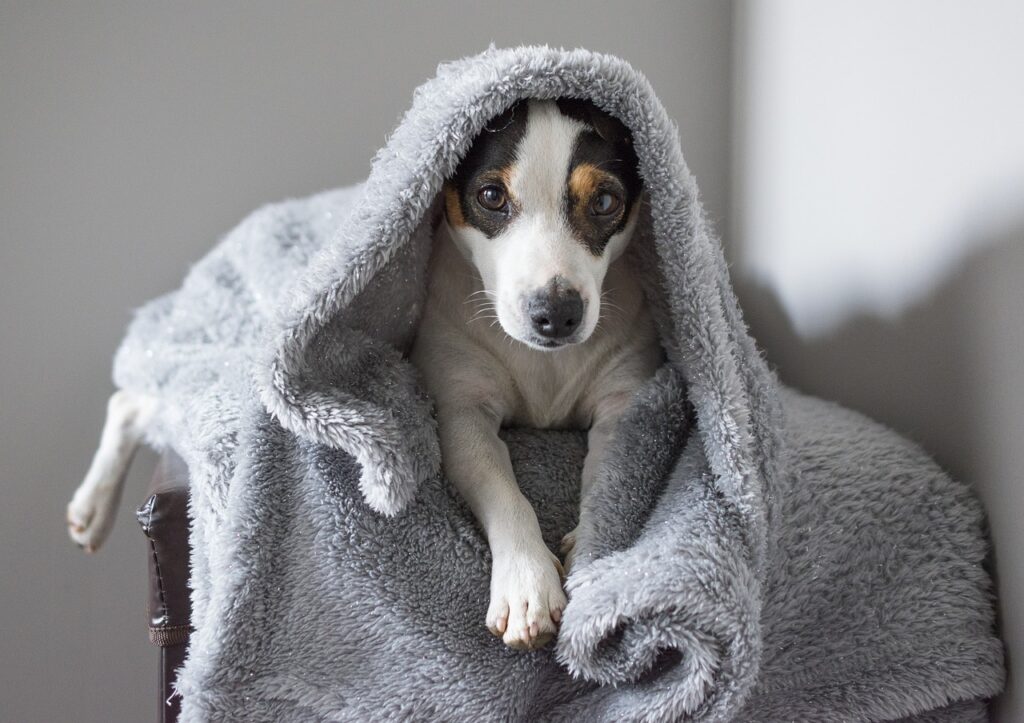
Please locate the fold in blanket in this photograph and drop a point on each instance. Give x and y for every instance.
(751, 554)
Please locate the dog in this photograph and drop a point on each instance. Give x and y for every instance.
(533, 318)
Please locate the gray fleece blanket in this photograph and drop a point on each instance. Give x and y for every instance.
(754, 554)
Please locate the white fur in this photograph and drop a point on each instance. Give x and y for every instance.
(473, 351)
(93, 508)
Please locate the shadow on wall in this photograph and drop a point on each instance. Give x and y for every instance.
(948, 372)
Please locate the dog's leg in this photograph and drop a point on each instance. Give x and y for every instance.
(597, 442)
(526, 587)
(92, 510)
(606, 417)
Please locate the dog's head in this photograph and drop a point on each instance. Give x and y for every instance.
(545, 200)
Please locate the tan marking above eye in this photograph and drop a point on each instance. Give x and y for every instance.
(505, 176)
(585, 181)
(452, 206)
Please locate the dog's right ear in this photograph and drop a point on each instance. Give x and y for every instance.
(607, 126)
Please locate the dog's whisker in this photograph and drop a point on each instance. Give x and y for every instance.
(478, 317)
(612, 310)
(485, 292)
(484, 306)
(481, 304)
(485, 311)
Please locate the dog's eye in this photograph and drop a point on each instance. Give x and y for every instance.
(492, 198)
(605, 204)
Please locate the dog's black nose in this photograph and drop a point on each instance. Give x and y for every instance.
(556, 312)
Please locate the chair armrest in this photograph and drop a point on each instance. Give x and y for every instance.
(164, 520)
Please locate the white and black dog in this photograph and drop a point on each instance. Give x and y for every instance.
(533, 318)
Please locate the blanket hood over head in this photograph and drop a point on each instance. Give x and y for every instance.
(349, 401)
(750, 554)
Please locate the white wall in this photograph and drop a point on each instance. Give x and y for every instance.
(883, 145)
(878, 230)
(134, 134)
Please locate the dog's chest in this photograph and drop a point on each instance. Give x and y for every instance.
(551, 389)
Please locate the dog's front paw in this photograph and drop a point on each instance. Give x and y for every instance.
(90, 516)
(526, 598)
(568, 549)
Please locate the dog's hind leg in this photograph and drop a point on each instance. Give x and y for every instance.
(93, 508)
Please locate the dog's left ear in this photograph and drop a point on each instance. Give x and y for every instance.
(604, 124)
(609, 127)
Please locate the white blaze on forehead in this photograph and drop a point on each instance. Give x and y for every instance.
(538, 244)
(537, 180)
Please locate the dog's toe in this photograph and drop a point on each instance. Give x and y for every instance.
(497, 616)
(89, 519)
(568, 542)
(568, 550)
(78, 516)
(556, 604)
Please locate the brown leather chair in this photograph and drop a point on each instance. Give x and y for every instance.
(164, 520)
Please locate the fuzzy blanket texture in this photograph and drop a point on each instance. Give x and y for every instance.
(755, 554)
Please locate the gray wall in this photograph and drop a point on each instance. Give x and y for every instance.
(134, 134)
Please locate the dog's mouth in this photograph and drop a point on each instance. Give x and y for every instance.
(546, 344)
(549, 344)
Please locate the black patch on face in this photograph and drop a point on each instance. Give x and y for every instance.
(603, 161)
(604, 124)
(488, 163)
